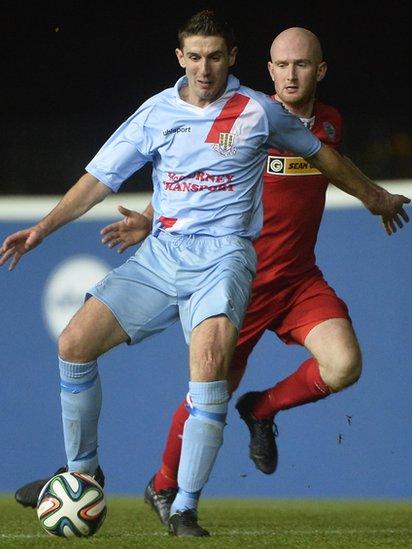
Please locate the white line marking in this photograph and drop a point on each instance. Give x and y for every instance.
(238, 532)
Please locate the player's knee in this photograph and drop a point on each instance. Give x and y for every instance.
(345, 370)
(71, 346)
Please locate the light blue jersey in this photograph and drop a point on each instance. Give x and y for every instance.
(207, 162)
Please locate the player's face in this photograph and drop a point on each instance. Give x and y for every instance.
(206, 61)
(295, 71)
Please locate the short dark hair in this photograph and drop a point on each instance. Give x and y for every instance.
(207, 23)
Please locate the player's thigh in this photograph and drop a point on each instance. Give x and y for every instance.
(211, 347)
(92, 331)
(140, 293)
(334, 345)
(312, 302)
(219, 276)
(212, 313)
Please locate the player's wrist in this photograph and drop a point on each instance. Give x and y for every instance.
(42, 229)
(375, 200)
(149, 221)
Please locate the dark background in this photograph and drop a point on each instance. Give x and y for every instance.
(73, 71)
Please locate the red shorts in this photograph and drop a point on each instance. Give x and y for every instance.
(290, 313)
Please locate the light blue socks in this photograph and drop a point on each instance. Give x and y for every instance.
(81, 400)
(202, 438)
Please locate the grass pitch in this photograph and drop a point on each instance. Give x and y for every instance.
(232, 524)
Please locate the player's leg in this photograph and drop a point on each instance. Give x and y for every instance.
(318, 320)
(92, 331)
(162, 487)
(212, 314)
(334, 345)
(128, 305)
(261, 313)
(211, 348)
(335, 364)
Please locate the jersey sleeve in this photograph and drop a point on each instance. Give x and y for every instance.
(287, 132)
(125, 152)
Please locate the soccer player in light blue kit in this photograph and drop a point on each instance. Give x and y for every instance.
(207, 139)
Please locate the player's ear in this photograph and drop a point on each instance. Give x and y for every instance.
(270, 69)
(180, 57)
(322, 68)
(232, 56)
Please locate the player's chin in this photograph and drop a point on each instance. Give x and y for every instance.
(293, 97)
(206, 93)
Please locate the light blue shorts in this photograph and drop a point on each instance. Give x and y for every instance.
(194, 277)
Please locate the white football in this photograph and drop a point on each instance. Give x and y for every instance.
(71, 504)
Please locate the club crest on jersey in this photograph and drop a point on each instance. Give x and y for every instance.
(225, 147)
(330, 130)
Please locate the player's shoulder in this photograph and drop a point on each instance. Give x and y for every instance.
(151, 106)
(328, 124)
(325, 111)
(272, 111)
(263, 99)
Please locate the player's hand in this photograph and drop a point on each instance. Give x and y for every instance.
(391, 209)
(131, 230)
(17, 244)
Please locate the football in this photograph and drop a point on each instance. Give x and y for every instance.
(71, 504)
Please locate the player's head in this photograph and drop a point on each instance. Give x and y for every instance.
(206, 51)
(296, 65)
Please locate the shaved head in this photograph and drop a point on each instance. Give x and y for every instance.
(296, 66)
(302, 38)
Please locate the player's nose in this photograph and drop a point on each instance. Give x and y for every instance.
(204, 67)
(291, 72)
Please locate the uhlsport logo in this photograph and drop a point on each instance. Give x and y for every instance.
(181, 129)
(66, 287)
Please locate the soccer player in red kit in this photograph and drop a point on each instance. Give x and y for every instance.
(289, 295)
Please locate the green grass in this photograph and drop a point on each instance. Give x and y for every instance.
(239, 524)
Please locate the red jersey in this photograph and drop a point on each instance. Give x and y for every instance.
(293, 204)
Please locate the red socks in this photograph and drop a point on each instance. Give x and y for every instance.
(303, 386)
(166, 477)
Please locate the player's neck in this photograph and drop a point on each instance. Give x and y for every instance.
(304, 110)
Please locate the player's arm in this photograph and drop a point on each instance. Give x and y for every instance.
(349, 178)
(132, 229)
(84, 194)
